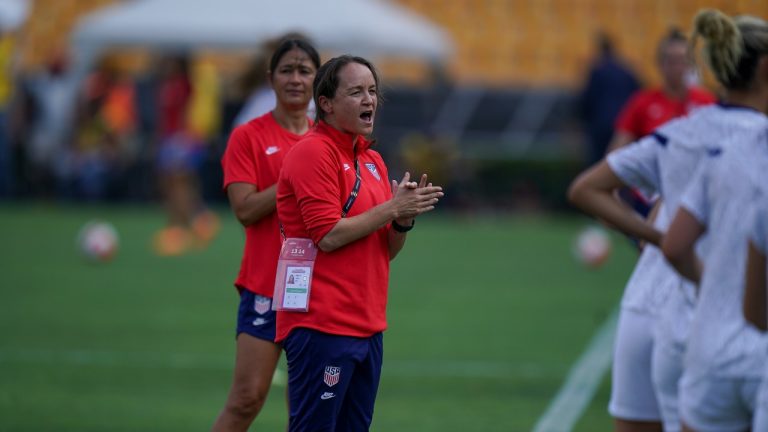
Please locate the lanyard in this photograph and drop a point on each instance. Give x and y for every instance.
(355, 191)
(350, 200)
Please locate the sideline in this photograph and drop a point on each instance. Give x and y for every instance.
(582, 381)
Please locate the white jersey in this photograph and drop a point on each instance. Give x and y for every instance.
(759, 238)
(720, 197)
(664, 163)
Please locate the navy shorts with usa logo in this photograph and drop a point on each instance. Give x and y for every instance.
(255, 316)
(332, 380)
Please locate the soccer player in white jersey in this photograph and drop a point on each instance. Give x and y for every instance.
(657, 303)
(755, 298)
(756, 295)
(725, 356)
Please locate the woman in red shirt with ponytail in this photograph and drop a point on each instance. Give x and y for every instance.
(251, 163)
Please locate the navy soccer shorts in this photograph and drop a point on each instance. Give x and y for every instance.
(332, 380)
(255, 316)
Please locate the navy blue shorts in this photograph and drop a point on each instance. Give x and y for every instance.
(181, 152)
(255, 316)
(332, 380)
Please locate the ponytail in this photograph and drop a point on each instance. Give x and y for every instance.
(732, 47)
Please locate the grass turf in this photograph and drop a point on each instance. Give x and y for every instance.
(486, 315)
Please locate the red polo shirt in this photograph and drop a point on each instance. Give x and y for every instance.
(649, 109)
(349, 285)
(254, 155)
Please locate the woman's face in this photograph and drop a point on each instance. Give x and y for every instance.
(675, 64)
(353, 107)
(292, 79)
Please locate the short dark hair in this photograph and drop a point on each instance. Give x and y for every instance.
(327, 79)
(289, 44)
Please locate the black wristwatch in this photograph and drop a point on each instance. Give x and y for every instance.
(402, 229)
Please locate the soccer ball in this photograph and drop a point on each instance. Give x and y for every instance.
(592, 246)
(98, 241)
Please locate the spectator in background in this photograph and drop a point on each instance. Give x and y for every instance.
(186, 96)
(105, 138)
(609, 85)
(50, 133)
(258, 96)
(6, 86)
(650, 108)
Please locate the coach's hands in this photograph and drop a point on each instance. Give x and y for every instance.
(410, 199)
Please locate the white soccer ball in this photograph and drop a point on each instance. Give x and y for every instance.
(592, 246)
(98, 241)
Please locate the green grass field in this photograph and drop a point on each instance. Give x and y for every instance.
(486, 316)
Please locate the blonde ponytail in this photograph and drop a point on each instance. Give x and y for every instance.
(723, 45)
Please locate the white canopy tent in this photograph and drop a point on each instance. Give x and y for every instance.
(369, 28)
(362, 27)
(13, 13)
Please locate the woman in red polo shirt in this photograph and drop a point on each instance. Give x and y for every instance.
(251, 165)
(651, 108)
(334, 349)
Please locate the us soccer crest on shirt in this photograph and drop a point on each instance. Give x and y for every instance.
(372, 168)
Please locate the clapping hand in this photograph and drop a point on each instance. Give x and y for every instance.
(411, 199)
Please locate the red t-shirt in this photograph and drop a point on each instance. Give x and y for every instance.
(649, 109)
(349, 285)
(174, 95)
(254, 155)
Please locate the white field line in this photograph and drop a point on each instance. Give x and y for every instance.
(582, 381)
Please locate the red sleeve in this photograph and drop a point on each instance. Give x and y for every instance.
(313, 173)
(702, 96)
(385, 177)
(238, 162)
(628, 120)
(385, 172)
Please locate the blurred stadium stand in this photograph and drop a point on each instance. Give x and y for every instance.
(549, 42)
(505, 102)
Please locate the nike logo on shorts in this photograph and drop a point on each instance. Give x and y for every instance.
(327, 395)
